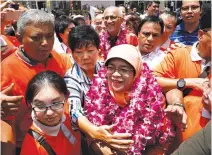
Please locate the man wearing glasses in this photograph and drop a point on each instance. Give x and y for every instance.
(114, 34)
(186, 32)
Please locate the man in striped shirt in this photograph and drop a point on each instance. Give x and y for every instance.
(186, 32)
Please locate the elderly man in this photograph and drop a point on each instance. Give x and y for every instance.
(114, 34)
(187, 70)
(99, 23)
(187, 31)
(150, 31)
(35, 31)
(152, 9)
(170, 23)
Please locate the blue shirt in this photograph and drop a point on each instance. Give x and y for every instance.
(181, 35)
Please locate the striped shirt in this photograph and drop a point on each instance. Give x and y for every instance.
(181, 35)
(78, 84)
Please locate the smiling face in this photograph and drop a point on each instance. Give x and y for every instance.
(122, 80)
(48, 96)
(38, 41)
(113, 20)
(86, 57)
(149, 37)
(190, 11)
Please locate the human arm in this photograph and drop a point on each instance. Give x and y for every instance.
(175, 108)
(80, 121)
(169, 83)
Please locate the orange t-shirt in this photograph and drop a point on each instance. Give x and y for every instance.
(178, 64)
(59, 144)
(8, 49)
(15, 69)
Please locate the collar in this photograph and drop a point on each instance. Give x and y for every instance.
(182, 27)
(49, 130)
(22, 55)
(64, 47)
(194, 53)
(166, 44)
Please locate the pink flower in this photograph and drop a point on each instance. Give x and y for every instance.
(143, 117)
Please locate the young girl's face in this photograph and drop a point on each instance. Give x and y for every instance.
(48, 96)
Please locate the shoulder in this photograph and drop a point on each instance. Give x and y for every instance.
(29, 146)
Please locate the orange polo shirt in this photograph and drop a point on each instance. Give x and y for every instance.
(178, 64)
(18, 69)
(8, 49)
(59, 144)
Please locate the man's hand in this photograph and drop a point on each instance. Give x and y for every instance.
(118, 141)
(9, 104)
(177, 115)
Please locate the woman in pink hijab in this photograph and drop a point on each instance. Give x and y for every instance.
(125, 95)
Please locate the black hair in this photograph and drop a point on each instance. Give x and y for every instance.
(87, 14)
(151, 19)
(61, 23)
(133, 21)
(79, 21)
(38, 81)
(149, 3)
(81, 36)
(205, 20)
(180, 3)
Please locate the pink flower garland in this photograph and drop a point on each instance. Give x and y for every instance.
(105, 44)
(144, 117)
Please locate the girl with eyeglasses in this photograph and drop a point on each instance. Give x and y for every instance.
(51, 131)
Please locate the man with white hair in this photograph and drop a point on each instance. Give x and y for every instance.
(114, 34)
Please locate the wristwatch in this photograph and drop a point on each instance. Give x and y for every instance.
(181, 84)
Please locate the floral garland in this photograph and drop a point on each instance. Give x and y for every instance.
(105, 43)
(144, 117)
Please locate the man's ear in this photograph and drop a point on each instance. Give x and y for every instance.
(19, 37)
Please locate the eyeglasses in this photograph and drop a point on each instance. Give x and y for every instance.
(55, 106)
(111, 17)
(193, 8)
(122, 71)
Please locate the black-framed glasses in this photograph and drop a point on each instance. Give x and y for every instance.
(193, 8)
(121, 70)
(55, 106)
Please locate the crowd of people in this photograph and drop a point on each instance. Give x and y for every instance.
(121, 83)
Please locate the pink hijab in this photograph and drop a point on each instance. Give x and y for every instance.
(131, 55)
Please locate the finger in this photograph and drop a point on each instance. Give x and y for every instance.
(184, 118)
(14, 99)
(8, 89)
(122, 141)
(120, 147)
(121, 135)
